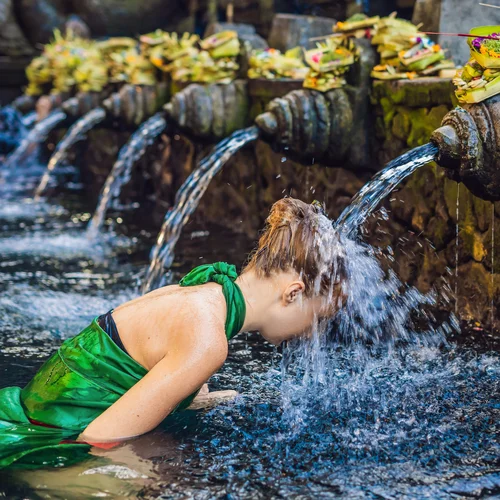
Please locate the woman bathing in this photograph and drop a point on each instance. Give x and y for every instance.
(131, 368)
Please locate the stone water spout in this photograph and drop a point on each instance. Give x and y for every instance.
(210, 111)
(24, 103)
(331, 127)
(45, 104)
(469, 147)
(135, 103)
(82, 103)
(310, 124)
(48, 103)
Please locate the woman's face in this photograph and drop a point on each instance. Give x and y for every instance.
(296, 318)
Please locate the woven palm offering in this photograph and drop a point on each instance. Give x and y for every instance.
(406, 53)
(479, 79)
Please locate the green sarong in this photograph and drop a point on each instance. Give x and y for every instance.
(86, 375)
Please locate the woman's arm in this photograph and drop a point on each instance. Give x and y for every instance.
(208, 399)
(143, 407)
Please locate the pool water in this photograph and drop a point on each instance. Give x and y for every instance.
(401, 422)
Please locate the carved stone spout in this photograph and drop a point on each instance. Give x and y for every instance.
(135, 103)
(332, 127)
(469, 147)
(82, 103)
(48, 103)
(210, 111)
(310, 124)
(24, 103)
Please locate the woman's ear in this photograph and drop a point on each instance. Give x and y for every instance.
(293, 292)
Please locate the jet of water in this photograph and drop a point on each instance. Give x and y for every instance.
(35, 136)
(30, 119)
(12, 129)
(187, 200)
(363, 204)
(122, 169)
(74, 134)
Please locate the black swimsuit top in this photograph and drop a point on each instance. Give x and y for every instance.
(107, 323)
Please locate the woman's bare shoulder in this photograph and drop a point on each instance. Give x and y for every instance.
(205, 318)
(194, 314)
(186, 319)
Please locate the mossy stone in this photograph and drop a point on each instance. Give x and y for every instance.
(417, 93)
(450, 191)
(401, 124)
(439, 231)
(388, 109)
(483, 212)
(420, 129)
(436, 115)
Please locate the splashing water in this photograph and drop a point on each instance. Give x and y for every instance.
(363, 204)
(380, 309)
(35, 136)
(187, 200)
(412, 424)
(75, 133)
(30, 119)
(12, 129)
(382, 322)
(380, 318)
(122, 169)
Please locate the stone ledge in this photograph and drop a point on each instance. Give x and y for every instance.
(418, 93)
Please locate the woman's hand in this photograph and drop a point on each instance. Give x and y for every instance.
(206, 399)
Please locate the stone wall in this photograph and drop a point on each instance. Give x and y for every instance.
(407, 112)
(423, 228)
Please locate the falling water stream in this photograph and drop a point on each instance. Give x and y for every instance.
(122, 169)
(12, 130)
(30, 119)
(363, 204)
(35, 136)
(74, 134)
(186, 202)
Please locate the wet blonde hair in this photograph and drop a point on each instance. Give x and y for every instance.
(298, 236)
